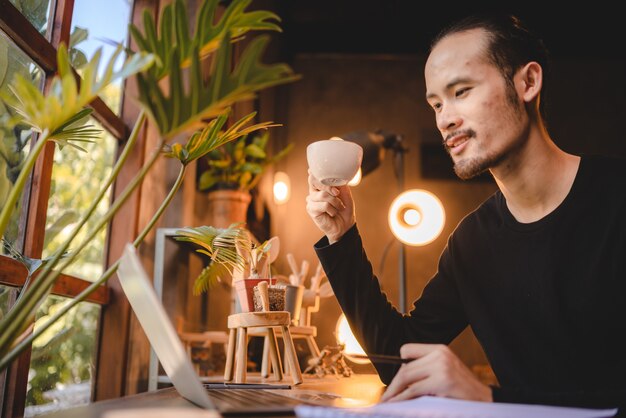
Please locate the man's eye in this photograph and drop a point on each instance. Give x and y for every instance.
(461, 92)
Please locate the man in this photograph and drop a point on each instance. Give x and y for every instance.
(537, 270)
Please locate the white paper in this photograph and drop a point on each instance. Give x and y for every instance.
(435, 407)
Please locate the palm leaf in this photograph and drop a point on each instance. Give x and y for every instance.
(66, 100)
(208, 277)
(211, 137)
(228, 249)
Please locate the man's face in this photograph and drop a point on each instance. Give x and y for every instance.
(481, 118)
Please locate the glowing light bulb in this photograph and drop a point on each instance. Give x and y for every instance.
(412, 217)
(344, 335)
(282, 188)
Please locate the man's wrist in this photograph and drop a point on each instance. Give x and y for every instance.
(333, 239)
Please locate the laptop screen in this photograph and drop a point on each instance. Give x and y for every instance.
(159, 329)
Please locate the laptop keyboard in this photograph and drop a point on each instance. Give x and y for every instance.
(252, 397)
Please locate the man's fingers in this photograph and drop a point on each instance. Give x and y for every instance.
(415, 350)
(410, 392)
(407, 375)
(415, 371)
(323, 197)
(315, 185)
(316, 209)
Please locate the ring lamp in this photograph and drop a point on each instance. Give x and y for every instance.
(416, 217)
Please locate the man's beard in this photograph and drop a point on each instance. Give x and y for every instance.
(469, 168)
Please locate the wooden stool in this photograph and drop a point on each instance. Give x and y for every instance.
(308, 333)
(238, 340)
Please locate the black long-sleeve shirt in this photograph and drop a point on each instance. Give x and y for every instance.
(546, 300)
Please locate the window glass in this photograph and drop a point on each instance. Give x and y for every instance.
(15, 142)
(62, 359)
(104, 22)
(36, 11)
(77, 177)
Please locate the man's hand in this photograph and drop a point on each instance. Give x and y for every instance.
(436, 371)
(331, 208)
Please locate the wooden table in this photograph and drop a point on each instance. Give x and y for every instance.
(359, 386)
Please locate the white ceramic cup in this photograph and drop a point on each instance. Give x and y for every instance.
(334, 162)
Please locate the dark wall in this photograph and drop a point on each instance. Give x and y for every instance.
(406, 26)
(362, 68)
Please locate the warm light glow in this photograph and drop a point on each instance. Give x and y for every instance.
(412, 217)
(282, 188)
(416, 217)
(344, 335)
(356, 179)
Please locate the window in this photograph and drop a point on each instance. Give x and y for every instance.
(106, 21)
(37, 12)
(62, 359)
(59, 371)
(15, 142)
(71, 193)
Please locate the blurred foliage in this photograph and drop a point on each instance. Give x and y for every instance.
(68, 359)
(63, 354)
(15, 140)
(239, 165)
(5, 298)
(71, 194)
(35, 11)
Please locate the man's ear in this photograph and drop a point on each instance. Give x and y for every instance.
(529, 81)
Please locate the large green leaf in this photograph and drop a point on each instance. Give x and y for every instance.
(173, 31)
(190, 100)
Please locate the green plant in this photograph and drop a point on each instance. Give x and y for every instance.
(240, 164)
(15, 135)
(194, 102)
(228, 249)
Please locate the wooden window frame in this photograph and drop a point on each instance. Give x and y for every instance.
(108, 381)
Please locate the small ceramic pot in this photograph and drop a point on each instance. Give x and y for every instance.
(245, 292)
(276, 295)
(293, 301)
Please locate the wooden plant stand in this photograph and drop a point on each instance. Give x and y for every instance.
(237, 354)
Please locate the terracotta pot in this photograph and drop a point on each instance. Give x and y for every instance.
(222, 208)
(245, 292)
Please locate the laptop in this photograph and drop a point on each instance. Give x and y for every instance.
(227, 399)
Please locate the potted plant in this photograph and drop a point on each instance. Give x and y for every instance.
(232, 252)
(230, 172)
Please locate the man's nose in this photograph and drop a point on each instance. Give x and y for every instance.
(448, 119)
